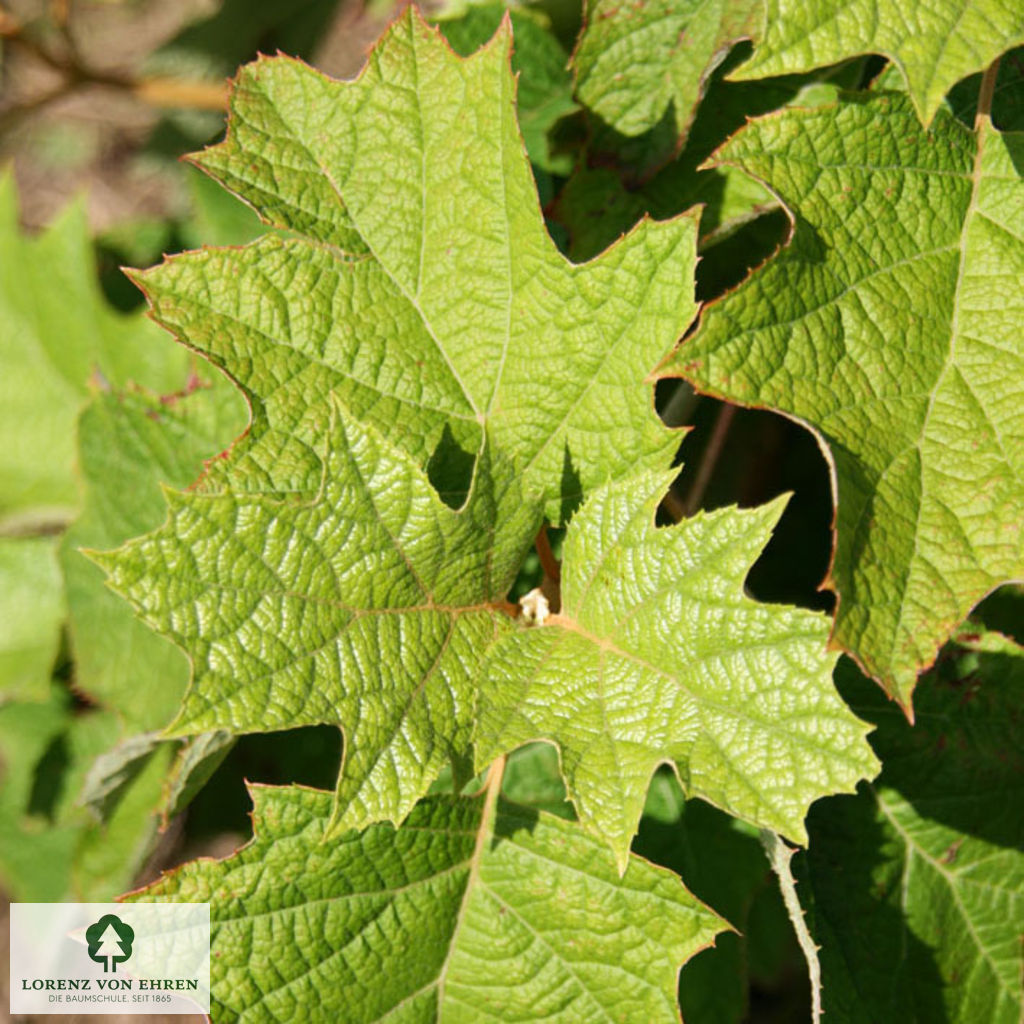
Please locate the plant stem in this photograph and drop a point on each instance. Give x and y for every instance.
(985, 93)
(779, 856)
(492, 787)
(548, 562)
(726, 413)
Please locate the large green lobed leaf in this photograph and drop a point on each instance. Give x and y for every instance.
(466, 913)
(364, 601)
(658, 656)
(891, 326)
(379, 609)
(420, 284)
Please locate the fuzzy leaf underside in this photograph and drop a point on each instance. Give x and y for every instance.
(444, 918)
(890, 325)
(635, 62)
(420, 284)
(927, 861)
(934, 44)
(659, 656)
(367, 608)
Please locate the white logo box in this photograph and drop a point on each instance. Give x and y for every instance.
(123, 958)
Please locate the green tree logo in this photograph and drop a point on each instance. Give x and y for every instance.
(110, 941)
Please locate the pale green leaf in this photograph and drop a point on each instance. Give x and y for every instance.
(915, 886)
(933, 44)
(420, 284)
(113, 770)
(58, 333)
(197, 760)
(636, 63)
(129, 446)
(658, 656)
(31, 614)
(35, 853)
(110, 854)
(461, 915)
(891, 326)
(51, 848)
(369, 609)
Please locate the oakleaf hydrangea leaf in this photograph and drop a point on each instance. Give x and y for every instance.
(374, 609)
(369, 608)
(890, 326)
(636, 61)
(469, 912)
(420, 284)
(933, 44)
(58, 333)
(129, 445)
(658, 656)
(928, 860)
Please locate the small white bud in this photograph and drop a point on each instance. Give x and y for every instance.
(535, 607)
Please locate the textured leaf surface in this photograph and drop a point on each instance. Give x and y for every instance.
(915, 886)
(422, 287)
(933, 44)
(130, 445)
(659, 656)
(635, 61)
(57, 332)
(31, 613)
(453, 916)
(891, 326)
(369, 608)
(375, 607)
(544, 88)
